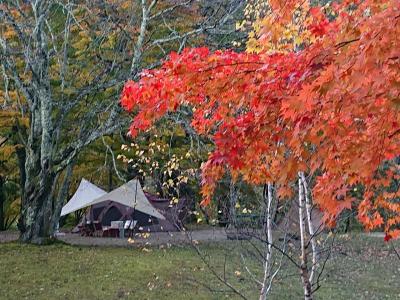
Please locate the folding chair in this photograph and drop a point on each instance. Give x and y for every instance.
(129, 225)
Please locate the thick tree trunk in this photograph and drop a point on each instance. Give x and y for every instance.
(62, 196)
(37, 195)
(35, 222)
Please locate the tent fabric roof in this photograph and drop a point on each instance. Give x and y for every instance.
(85, 193)
(132, 195)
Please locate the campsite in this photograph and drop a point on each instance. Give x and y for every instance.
(199, 149)
(127, 205)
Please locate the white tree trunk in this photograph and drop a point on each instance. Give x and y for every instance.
(311, 228)
(303, 265)
(268, 255)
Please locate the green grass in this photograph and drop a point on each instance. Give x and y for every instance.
(365, 269)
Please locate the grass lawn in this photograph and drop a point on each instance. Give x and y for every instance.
(361, 268)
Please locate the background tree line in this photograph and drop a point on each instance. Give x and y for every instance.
(63, 64)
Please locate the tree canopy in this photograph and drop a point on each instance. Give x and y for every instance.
(328, 105)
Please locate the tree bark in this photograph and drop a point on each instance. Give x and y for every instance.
(61, 198)
(21, 156)
(305, 278)
(311, 229)
(268, 231)
(35, 221)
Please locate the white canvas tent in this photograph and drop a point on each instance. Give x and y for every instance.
(84, 195)
(130, 194)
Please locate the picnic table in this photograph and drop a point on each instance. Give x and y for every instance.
(119, 228)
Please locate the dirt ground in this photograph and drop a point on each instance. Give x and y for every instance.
(152, 239)
(155, 239)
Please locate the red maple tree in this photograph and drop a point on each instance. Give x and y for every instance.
(329, 109)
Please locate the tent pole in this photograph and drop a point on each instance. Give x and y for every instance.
(134, 204)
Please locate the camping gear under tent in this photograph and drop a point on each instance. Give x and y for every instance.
(128, 203)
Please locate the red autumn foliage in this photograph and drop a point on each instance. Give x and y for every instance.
(331, 109)
(387, 237)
